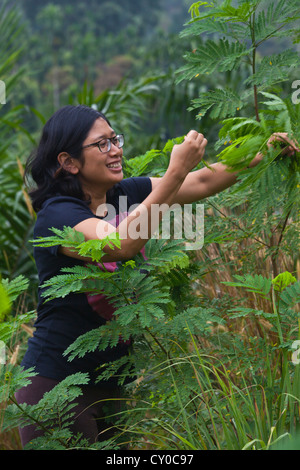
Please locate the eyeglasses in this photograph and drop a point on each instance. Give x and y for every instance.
(104, 145)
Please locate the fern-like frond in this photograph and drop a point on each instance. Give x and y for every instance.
(75, 241)
(290, 296)
(166, 255)
(68, 236)
(139, 165)
(224, 10)
(122, 368)
(222, 102)
(234, 128)
(256, 284)
(13, 378)
(275, 68)
(8, 329)
(76, 279)
(106, 336)
(222, 56)
(15, 287)
(242, 151)
(194, 320)
(209, 26)
(54, 411)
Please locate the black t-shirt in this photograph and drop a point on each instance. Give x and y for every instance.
(62, 320)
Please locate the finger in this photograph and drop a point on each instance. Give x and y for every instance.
(283, 137)
(192, 134)
(200, 137)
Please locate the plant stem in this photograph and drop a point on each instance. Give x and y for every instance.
(38, 423)
(252, 21)
(158, 343)
(278, 324)
(275, 254)
(236, 224)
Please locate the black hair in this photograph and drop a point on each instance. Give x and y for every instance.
(65, 131)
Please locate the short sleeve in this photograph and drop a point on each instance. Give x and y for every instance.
(137, 188)
(58, 213)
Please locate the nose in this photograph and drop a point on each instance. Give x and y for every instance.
(115, 150)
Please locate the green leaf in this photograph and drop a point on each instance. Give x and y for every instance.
(283, 280)
(222, 102)
(5, 302)
(15, 287)
(256, 284)
(275, 68)
(214, 56)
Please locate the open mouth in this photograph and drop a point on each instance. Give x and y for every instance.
(114, 165)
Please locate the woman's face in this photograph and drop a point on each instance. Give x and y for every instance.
(101, 169)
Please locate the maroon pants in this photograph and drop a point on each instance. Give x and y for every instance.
(88, 411)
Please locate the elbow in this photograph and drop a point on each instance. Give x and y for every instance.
(127, 251)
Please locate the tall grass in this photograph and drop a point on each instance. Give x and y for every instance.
(235, 386)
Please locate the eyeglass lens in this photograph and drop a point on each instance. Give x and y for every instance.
(105, 144)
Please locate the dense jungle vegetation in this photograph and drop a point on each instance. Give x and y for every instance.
(216, 329)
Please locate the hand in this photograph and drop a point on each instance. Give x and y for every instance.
(289, 147)
(189, 153)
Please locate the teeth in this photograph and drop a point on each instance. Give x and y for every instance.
(114, 165)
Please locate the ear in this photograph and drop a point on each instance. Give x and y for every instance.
(68, 163)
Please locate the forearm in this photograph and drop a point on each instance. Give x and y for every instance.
(137, 228)
(216, 178)
(206, 182)
(220, 177)
(142, 222)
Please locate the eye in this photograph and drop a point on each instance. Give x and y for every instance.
(103, 144)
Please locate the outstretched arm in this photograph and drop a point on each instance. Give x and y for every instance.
(203, 183)
(207, 182)
(184, 158)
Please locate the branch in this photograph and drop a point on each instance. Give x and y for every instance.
(251, 24)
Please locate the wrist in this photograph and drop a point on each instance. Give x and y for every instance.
(258, 158)
(177, 175)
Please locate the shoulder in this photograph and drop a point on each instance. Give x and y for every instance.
(60, 211)
(136, 188)
(59, 201)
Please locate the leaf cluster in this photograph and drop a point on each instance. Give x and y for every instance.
(238, 33)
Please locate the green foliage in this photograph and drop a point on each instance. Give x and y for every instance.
(153, 162)
(5, 304)
(10, 323)
(10, 30)
(241, 30)
(70, 238)
(16, 215)
(53, 414)
(283, 280)
(249, 136)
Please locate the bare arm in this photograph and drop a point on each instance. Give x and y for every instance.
(183, 159)
(205, 182)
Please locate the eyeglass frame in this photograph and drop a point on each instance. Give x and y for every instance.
(110, 142)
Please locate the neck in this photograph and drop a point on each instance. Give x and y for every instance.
(95, 206)
(97, 198)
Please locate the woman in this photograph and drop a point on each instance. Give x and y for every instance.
(77, 168)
